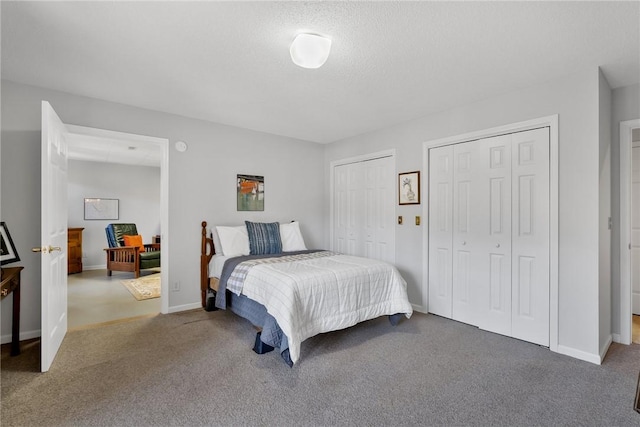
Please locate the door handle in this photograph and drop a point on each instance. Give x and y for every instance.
(45, 249)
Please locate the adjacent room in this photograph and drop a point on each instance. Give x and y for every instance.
(110, 181)
(343, 213)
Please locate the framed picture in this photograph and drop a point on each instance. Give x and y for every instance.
(250, 192)
(101, 208)
(409, 188)
(8, 251)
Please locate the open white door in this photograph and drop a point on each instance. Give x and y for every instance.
(53, 244)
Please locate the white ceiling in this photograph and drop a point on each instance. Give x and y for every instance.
(112, 149)
(228, 62)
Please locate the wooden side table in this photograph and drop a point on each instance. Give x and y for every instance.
(11, 284)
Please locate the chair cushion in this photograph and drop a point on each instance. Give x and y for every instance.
(150, 255)
(149, 259)
(133, 241)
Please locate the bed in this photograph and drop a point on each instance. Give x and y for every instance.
(264, 273)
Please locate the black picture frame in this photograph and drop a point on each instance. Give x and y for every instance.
(409, 188)
(8, 252)
(250, 192)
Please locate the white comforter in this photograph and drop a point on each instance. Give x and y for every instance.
(312, 296)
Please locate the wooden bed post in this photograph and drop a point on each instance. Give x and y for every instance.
(207, 250)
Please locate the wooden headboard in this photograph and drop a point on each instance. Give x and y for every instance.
(207, 251)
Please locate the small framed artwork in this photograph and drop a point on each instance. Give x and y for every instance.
(409, 188)
(8, 251)
(250, 192)
(101, 208)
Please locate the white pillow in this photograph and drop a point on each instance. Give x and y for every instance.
(291, 237)
(217, 245)
(234, 240)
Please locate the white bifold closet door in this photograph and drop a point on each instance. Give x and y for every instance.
(454, 231)
(441, 230)
(364, 202)
(465, 242)
(495, 208)
(489, 234)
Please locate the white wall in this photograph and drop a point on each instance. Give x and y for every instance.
(625, 106)
(575, 99)
(136, 187)
(295, 175)
(201, 182)
(604, 266)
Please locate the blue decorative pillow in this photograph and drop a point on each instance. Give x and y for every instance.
(264, 238)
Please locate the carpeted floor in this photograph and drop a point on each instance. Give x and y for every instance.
(197, 368)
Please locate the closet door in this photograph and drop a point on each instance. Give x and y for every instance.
(363, 215)
(440, 230)
(489, 234)
(378, 222)
(530, 236)
(341, 208)
(465, 228)
(494, 242)
(348, 214)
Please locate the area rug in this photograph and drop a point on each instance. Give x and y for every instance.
(145, 287)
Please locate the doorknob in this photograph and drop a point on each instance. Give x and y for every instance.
(498, 245)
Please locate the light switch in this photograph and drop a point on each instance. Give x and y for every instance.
(400, 220)
(417, 220)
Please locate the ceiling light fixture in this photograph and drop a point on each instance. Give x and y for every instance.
(310, 50)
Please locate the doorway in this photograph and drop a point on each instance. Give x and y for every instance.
(115, 160)
(629, 232)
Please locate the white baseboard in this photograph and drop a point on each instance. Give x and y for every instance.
(185, 307)
(94, 267)
(419, 308)
(618, 338)
(27, 335)
(605, 348)
(579, 354)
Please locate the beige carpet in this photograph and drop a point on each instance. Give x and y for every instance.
(190, 368)
(145, 287)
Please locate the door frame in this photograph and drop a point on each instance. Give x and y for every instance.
(552, 123)
(163, 145)
(626, 141)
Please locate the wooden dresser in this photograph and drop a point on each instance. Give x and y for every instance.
(74, 250)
